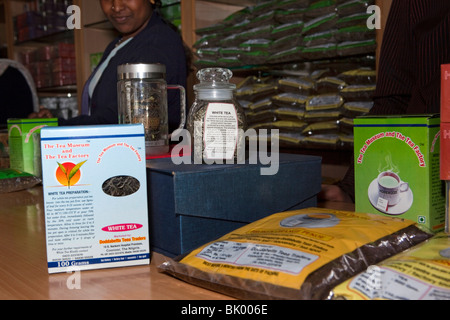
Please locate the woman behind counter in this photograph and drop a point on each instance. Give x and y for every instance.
(144, 38)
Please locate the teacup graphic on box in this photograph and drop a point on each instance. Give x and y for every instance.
(390, 187)
(389, 194)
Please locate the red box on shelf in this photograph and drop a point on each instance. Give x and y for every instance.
(45, 53)
(43, 81)
(63, 65)
(29, 18)
(28, 33)
(65, 50)
(445, 93)
(27, 57)
(445, 122)
(63, 78)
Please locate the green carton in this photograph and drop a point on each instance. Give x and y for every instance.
(397, 168)
(24, 142)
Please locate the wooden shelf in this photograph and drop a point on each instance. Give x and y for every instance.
(58, 90)
(238, 2)
(61, 36)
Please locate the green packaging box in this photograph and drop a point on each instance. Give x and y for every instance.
(397, 168)
(24, 142)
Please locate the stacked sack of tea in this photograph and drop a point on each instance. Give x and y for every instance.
(275, 32)
(313, 106)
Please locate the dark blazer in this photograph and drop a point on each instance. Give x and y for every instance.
(416, 42)
(157, 43)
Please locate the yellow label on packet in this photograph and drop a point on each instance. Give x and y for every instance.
(420, 273)
(284, 248)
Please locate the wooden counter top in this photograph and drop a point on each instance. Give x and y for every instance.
(23, 263)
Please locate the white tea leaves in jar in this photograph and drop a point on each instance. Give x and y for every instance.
(216, 121)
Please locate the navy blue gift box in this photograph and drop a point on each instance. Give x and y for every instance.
(192, 204)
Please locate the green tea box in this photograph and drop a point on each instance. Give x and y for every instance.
(95, 197)
(397, 168)
(23, 140)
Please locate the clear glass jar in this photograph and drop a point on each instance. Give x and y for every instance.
(216, 121)
(142, 98)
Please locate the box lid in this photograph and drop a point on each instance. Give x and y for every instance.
(431, 118)
(68, 132)
(238, 192)
(32, 121)
(18, 127)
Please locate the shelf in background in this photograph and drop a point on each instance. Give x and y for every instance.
(238, 2)
(58, 90)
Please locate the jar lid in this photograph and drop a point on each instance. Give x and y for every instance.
(141, 71)
(214, 78)
(214, 84)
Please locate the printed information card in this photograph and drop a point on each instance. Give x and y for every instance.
(95, 197)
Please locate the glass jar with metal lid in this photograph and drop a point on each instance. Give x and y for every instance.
(216, 121)
(142, 98)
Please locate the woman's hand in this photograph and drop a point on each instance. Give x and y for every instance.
(43, 113)
(333, 193)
